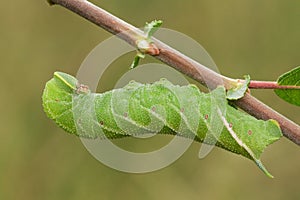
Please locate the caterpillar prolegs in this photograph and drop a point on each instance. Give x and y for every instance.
(160, 107)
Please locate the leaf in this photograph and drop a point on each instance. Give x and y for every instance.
(136, 60)
(144, 44)
(239, 91)
(152, 27)
(160, 107)
(291, 78)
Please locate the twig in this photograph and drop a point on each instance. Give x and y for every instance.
(180, 62)
(270, 85)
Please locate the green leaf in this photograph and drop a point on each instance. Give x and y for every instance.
(240, 90)
(152, 27)
(291, 78)
(160, 107)
(136, 60)
(144, 44)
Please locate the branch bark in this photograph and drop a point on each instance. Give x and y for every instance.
(270, 85)
(180, 62)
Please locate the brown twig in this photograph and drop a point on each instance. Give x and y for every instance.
(180, 62)
(270, 85)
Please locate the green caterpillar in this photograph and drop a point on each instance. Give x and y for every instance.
(159, 107)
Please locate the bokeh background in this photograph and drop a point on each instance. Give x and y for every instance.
(38, 160)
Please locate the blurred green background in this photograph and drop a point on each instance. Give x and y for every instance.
(40, 161)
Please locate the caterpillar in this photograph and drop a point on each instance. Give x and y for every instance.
(160, 107)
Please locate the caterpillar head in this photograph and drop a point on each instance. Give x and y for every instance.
(65, 82)
(57, 99)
